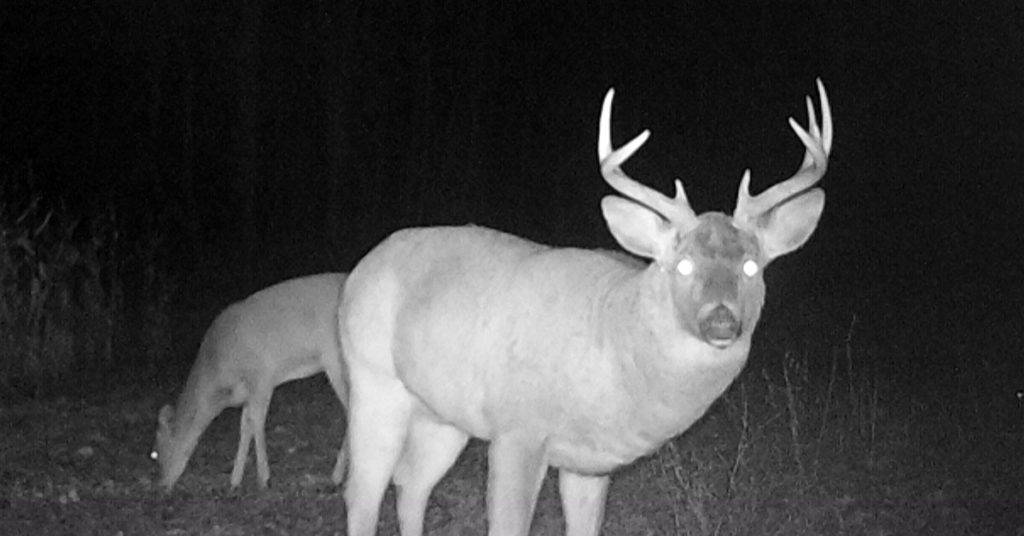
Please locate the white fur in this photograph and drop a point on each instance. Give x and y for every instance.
(568, 358)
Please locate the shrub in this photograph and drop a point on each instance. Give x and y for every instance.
(63, 308)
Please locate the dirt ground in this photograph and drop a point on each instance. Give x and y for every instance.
(81, 466)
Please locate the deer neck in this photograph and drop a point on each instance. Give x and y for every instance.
(672, 374)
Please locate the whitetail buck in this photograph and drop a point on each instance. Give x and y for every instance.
(281, 333)
(569, 358)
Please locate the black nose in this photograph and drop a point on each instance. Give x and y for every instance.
(720, 327)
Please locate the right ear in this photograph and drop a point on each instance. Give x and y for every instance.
(638, 229)
(164, 417)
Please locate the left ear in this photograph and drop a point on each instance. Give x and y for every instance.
(164, 417)
(788, 226)
(638, 229)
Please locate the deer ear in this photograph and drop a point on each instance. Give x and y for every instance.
(789, 225)
(164, 417)
(638, 229)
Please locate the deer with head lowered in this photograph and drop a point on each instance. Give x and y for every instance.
(284, 332)
(575, 359)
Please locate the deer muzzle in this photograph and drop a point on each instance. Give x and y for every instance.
(719, 326)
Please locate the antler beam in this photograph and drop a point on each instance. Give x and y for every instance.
(818, 142)
(676, 210)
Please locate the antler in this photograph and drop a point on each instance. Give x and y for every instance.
(818, 143)
(676, 210)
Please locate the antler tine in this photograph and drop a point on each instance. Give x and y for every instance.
(676, 210)
(818, 142)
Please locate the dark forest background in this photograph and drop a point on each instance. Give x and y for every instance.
(239, 143)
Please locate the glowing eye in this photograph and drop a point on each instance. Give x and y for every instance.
(685, 267)
(750, 268)
(153, 455)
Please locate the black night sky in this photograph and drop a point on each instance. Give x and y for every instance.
(268, 139)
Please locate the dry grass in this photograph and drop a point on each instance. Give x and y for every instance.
(773, 457)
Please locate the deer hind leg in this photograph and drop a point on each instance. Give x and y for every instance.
(583, 499)
(245, 433)
(431, 448)
(516, 468)
(335, 375)
(258, 415)
(378, 420)
(338, 474)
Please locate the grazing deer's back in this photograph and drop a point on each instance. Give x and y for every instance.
(285, 325)
(305, 303)
(306, 322)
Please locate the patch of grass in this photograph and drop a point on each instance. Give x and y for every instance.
(797, 448)
(806, 442)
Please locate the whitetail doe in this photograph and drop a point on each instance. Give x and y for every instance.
(281, 333)
(569, 358)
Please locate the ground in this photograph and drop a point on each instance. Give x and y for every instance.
(81, 466)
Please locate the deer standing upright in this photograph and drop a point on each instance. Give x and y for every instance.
(576, 359)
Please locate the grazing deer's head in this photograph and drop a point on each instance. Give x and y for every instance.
(163, 449)
(714, 261)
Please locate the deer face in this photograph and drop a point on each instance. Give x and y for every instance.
(163, 449)
(716, 281)
(714, 260)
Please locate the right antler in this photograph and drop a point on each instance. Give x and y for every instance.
(818, 143)
(677, 210)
